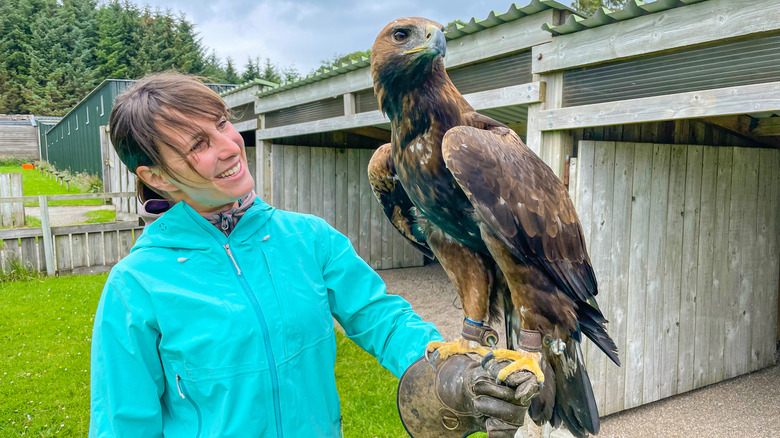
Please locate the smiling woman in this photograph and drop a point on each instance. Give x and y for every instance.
(175, 135)
(222, 314)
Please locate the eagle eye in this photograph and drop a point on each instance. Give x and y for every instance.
(400, 36)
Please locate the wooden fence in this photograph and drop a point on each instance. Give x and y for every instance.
(11, 213)
(333, 184)
(684, 242)
(87, 248)
(19, 141)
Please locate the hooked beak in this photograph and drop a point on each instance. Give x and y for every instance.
(435, 42)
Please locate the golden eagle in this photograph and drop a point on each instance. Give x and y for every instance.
(464, 188)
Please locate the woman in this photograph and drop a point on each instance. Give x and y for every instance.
(219, 322)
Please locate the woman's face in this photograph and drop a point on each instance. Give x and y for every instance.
(216, 152)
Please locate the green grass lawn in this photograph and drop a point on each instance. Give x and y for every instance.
(45, 335)
(100, 216)
(35, 184)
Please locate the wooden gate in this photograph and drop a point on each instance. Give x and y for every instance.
(11, 214)
(684, 242)
(117, 178)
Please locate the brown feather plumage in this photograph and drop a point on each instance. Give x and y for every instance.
(496, 216)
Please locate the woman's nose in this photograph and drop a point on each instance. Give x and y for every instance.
(227, 147)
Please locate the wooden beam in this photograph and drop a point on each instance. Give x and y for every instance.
(675, 28)
(509, 37)
(744, 99)
(767, 126)
(369, 118)
(372, 132)
(506, 38)
(241, 97)
(532, 92)
(48, 247)
(78, 196)
(247, 125)
(741, 124)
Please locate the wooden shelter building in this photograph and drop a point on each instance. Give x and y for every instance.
(662, 118)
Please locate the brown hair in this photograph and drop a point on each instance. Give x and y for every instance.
(145, 107)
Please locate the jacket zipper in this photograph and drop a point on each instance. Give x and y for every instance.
(230, 254)
(219, 237)
(185, 395)
(266, 337)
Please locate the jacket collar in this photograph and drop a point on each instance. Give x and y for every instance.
(182, 227)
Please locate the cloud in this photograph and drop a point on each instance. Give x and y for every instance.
(304, 32)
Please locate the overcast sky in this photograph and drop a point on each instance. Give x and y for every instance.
(304, 32)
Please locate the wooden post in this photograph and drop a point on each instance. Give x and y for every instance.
(551, 146)
(349, 104)
(263, 174)
(43, 203)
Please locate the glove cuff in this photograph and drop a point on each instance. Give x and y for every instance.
(437, 404)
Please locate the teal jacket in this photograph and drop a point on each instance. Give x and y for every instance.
(202, 335)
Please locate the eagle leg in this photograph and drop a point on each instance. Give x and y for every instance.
(472, 275)
(521, 360)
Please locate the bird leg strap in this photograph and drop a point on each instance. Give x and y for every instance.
(479, 332)
(530, 340)
(456, 396)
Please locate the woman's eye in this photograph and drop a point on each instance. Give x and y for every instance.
(400, 35)
(198, 146)
(222, 124)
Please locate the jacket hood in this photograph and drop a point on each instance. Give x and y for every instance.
(181, 227)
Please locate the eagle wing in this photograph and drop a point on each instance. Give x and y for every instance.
(528, 208)
(394, 200)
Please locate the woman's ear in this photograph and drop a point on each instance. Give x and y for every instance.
(154, 177)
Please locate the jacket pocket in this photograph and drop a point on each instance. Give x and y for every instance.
(185, 395)
(227, 401)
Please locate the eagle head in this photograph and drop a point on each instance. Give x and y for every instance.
(404, 55)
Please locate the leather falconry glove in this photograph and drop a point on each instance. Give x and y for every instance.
(457, 396)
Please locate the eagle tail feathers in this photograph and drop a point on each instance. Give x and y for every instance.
(591, 323)
(575, 404)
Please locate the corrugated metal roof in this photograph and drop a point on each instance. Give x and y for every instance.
(7, 122)
(603, 16)
(473, 26)
(249, 84)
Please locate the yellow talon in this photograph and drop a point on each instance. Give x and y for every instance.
(521, 360)
(461, 346)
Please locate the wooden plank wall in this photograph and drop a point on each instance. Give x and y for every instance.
(19, 141)
(11, 213)
(87, 248)
(684, 242)
(687, 131)
(332, 183)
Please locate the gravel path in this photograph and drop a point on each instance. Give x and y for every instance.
(746, 406)
(66, 215)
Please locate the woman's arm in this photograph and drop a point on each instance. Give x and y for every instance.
(127, 377)
(383, 325)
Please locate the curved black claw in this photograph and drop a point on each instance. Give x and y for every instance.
(487, 358)
(434, 358)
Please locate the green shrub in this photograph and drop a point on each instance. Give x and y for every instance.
(87, 183)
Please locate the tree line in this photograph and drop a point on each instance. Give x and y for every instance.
(52, 53)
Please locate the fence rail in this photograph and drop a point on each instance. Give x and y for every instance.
(84, 248)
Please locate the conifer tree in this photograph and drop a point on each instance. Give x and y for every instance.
(251, 69)
(270, 73)
(231, 75)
